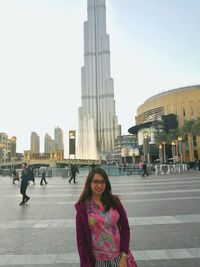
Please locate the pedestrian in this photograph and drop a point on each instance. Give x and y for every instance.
(141, 167)
(93, 166)
(15, 176)
(144, 168)
(24, 183)
(74, 170)
(43, 172)
(32, 178)
(102, 228)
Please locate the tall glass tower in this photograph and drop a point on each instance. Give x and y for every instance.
(98, 124)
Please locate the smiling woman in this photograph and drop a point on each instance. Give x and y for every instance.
(102, 227)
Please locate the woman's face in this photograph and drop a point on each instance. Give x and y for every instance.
(98, 184)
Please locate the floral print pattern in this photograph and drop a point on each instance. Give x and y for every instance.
(105, 232)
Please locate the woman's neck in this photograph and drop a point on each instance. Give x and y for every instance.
(96, 199)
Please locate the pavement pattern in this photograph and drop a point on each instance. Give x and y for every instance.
(163, 212)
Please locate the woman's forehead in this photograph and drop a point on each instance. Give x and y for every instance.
(98, 176)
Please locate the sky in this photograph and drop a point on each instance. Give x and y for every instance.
(154, 44)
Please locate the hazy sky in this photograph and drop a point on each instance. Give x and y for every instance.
(155, 46)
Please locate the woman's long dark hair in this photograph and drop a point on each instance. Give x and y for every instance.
(108, 199)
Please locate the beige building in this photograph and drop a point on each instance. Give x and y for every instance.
(49, 144)
(58, 138)
(35, 143)
(4, 151)
(12, 146)
(7, 147)
(184, 103)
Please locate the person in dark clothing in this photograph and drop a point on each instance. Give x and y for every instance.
(144, 169)
(24, 183)
(15, 176)
(93, 166)
(32, 175)
(43, 171)
(74, 170)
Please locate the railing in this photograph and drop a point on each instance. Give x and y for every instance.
(170, 168)
(48, 161)
(111, 170)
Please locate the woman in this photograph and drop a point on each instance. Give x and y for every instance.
(102, 227)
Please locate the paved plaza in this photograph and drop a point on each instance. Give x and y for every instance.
(163, 211)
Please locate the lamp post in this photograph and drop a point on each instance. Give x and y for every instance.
(160, 153)
(164, 153)
(180, 148)
(146, 146)
(173, 150)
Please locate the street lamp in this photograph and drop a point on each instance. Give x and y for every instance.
(180, 148)
(173, 150)
(146, 146)
(164, 152)
(160, 153)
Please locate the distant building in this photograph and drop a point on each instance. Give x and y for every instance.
(166, 110)
(12, 146)
(7, 147)
(35, 143)
(49, 144)
(4, 151)
(58, 138)
(126, 146)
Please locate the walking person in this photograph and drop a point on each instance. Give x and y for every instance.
(74, 170)
(24, 183)
(102, 228)
(144, 169)
(141, 167)
(43, 179)
(32, 175)
(93, 166)
(15, 176)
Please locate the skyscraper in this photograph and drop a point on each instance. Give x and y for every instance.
(98, 124)
(35, 143)
(58, 138)
(49, 144)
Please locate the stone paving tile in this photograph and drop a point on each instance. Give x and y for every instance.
(5, 259)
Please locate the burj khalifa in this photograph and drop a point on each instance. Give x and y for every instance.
(98, 123)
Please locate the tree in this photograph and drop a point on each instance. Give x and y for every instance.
(196, 130)
(188, 131)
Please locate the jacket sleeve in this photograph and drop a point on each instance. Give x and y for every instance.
(124, 230)
(82, 243)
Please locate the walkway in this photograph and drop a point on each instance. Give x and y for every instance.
(163, 211)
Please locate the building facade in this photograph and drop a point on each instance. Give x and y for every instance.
(7, 147)
(183, 102)
(49, 144)
(4, 149)
(35, 143)
(98, 123)
(58, 139)
(126, 146)
(12, 146)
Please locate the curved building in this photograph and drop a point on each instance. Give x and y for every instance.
(183, 102)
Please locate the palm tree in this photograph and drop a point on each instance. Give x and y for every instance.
(196, 130)
(173, 136)
(161, 139)
(188, 131)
